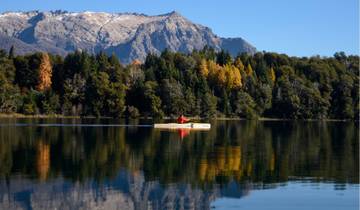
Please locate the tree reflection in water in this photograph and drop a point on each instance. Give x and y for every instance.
(147, 164)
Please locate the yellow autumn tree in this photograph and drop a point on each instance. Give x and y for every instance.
(229, 76)
(239, 64)
(236, 78)
(272, 74)
(203, 68)
(221, 76)
(212, 68)
(216, 73)
(249, 70)
(45, 73)
(233, 76)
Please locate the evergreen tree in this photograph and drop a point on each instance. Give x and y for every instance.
(245, 106)
(208, 105)
(152, 102)
(223, 58)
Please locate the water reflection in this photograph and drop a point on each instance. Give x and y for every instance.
(139, 167)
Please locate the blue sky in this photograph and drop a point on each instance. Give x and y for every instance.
(294, 27)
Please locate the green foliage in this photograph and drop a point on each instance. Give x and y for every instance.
(152, 101)
(204, 83)
(30, 100)
(286, 100)
(342, 99)
(208, 105)
(263, 97)
(74, 94)
(96, 92)
(190, 107)
(223, 58)
(50, 103)
(172, 97)
(245, 106)
(25, 77)
(133, 112)
(10, 97)
(115, 100)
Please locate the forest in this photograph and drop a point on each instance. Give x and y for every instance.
(204, 83)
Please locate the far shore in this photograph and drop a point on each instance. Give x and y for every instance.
(59, 116)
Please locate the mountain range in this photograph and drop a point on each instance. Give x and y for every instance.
(129, 35)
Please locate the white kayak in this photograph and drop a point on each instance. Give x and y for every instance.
(195, 126)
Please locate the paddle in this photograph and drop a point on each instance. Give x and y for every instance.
(193, 121)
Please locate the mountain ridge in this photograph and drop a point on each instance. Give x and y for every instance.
(129, 35)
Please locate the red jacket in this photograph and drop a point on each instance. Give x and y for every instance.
(182, 120)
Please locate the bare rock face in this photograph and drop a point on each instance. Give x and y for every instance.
(130, 36)
(21, 47)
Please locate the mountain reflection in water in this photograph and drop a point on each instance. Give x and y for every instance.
(65, 167)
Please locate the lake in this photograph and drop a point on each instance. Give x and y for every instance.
(118, 164)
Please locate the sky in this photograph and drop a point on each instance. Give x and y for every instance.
(294, 27)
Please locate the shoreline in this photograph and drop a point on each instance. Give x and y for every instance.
(59, 116)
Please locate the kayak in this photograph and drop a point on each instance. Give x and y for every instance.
(195, 126)
(200, 126)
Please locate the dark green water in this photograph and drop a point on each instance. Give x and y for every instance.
(107, 164)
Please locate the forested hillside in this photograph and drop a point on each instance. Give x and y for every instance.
(204, 83)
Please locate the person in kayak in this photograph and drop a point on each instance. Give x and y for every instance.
(181, 119)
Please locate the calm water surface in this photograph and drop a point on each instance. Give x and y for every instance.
(109, 164)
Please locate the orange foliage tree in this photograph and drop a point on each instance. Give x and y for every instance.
(45, 73)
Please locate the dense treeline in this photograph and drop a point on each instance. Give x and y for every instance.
(204, 83)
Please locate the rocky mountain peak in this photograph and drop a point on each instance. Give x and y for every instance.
(129, 35)
(174, 14)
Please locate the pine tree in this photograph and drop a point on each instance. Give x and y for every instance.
(45, 73)
(223, 58)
